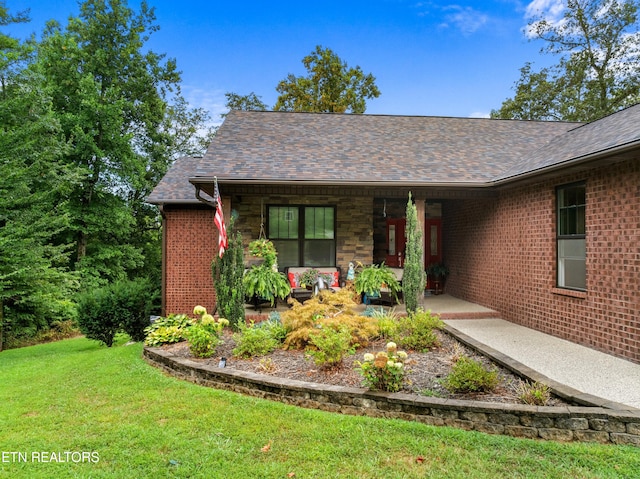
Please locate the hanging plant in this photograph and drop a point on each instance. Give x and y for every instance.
(265, 281)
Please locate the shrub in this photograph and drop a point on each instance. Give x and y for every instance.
(132, 302)
(413, 280)
(469, 375)
(328, 346)
(120, 306)
(202, 340)
(95, 317)
(386, 323)
(536, 394)
(416, 331)
(384, 371)
(254, 340)
(167, 330)
(227, 276)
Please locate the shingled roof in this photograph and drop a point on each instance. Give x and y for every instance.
(330, 149)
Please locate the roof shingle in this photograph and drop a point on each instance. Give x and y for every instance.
(344, 148)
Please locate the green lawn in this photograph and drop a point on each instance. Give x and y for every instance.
(59, 400)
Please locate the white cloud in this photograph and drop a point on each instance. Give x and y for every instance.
(551, 11)
(479, 114)
(465, 19)
(212, 100)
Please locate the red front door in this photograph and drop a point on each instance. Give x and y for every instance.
(395, 242)
(432, 244)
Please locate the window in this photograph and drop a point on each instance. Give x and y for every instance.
(303, 235)
(571, 243)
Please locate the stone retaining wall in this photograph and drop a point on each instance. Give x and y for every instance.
(572, 423)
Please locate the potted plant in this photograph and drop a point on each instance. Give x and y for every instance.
(436, 274)
(371, 279)
(310, 277)
(265, 282)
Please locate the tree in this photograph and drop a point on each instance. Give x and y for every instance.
(110, 95)
(331, 86)
(250, 102)
(227, 273)
(413, 279)
(598, 43)
(34, 282)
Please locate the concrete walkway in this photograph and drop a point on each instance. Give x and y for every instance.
(585, 374)
(575, 372)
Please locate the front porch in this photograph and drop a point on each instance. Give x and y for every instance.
(446, 306)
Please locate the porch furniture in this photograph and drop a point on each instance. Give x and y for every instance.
(300, 293)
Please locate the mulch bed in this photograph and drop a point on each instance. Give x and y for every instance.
(424, 371)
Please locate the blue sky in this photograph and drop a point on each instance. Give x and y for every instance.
(435, 58)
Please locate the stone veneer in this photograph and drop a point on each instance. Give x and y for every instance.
(571, 423)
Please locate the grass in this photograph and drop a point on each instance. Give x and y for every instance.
(75, 396)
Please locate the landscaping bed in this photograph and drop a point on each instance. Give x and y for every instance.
(423, 376)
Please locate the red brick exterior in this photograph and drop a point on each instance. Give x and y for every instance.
(190, 244)
(502, 254)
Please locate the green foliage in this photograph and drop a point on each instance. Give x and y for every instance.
(257, 340)
(133, 300)
(370, 280)
(326, 310)
(219, 434)
(202, 340)
(596, 42)
(167, 330)
(121, 306)
(385, 370)
(331, 86)
(536, 394)
(328, 346)
(35, 283)
(265, 281)
(413, 279)
(244, 102)
(468, 375)
(228, 274)
(417, 331)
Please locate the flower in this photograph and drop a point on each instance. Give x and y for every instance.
(391, 346)
(223, 321)
(398, 365)
(390, 364)
(369, 357)
(207, 318)
(402, 355)
(199, 310)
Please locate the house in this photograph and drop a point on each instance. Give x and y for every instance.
(537, 220)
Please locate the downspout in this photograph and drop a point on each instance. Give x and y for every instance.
(163, 281)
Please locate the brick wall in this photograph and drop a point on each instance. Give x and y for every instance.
(501, 253)
(191, 241)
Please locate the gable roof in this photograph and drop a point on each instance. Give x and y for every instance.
(333, 149)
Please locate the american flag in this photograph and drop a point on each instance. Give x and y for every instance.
(223, 241)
